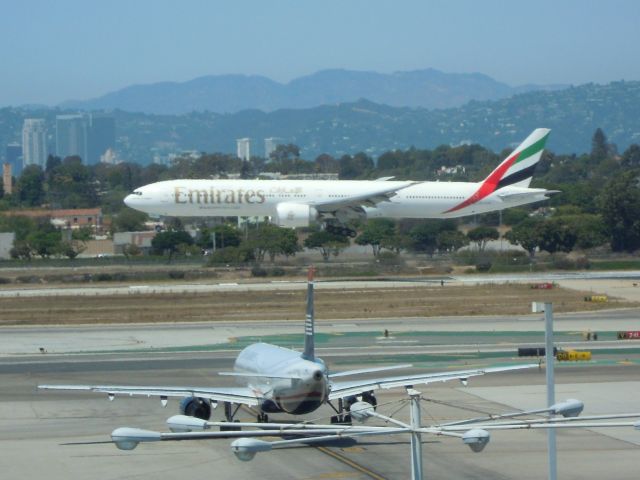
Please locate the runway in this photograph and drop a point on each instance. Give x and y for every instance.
(212, 335)
(62, 435)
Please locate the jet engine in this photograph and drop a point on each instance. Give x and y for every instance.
(292, 215)
(269, 406)
(196, 407)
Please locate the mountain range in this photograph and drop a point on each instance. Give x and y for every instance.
(573, 114)
(428, 88)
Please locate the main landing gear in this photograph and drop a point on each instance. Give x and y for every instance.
(340, 230)
(229, 413)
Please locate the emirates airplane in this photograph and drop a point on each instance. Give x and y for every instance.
(298, 203)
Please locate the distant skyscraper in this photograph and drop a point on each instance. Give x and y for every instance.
(13, 156)
(270, 145)
(102, 137)
(244, 148)
(34, 142)
(71, 136)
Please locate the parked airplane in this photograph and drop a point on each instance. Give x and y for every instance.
(297, 203)
(278, 379)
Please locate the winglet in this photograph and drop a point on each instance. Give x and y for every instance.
(309, 347)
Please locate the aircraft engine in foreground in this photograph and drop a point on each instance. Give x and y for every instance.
(196, 407)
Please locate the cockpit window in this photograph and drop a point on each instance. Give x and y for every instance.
(137, 192)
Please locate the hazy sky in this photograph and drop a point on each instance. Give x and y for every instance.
(52, 51)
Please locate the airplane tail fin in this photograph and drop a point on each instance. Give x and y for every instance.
(309, 343)
(517, 169)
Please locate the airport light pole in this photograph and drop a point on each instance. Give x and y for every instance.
(547, 308)
(416, 438)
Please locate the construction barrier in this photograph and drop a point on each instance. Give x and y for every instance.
(596, 298)
(629, 335)
(573, 356)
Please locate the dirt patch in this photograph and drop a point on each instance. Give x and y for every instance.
(342, 303)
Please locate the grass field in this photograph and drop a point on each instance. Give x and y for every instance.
(343, 303)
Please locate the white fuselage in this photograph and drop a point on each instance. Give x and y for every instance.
(302, 394)
(226, 198)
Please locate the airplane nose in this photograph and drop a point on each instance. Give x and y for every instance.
(128, 200)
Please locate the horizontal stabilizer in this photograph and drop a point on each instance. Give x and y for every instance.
(511, 195)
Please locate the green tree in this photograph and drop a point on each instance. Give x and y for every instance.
(375, 232)
(590, 230)
(168, 243)
(131, 250)
(326, 164)
(227, 235)
(285, 152)
(129, 220)
(513, 216)
(358, 165)
(30, 186)
(45, 242)
(451, 240)
(425, 234)
(70, 185)
(482, 235)
(620, 208)
(556, 235)
(272, 240)
(631, 157)
(83, 234)
(526, 234)
(599, 148)
(20, 225)
(327, 243)
(21, 250)
(71, 249)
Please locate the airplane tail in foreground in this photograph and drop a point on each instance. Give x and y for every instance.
(309, 344)
(517, 169)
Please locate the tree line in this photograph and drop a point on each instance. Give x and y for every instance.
(599, 204)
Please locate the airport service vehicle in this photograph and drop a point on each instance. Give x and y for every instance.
(276, 379)
(333, 203)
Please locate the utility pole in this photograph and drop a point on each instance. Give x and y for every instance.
(416, 440)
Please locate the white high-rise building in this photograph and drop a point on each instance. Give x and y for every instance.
(270, 145)
(34, 142)
(244, 149)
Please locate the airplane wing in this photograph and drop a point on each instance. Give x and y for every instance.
(360, 371)
(367, 199)
(243, 395)
(347, 389)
